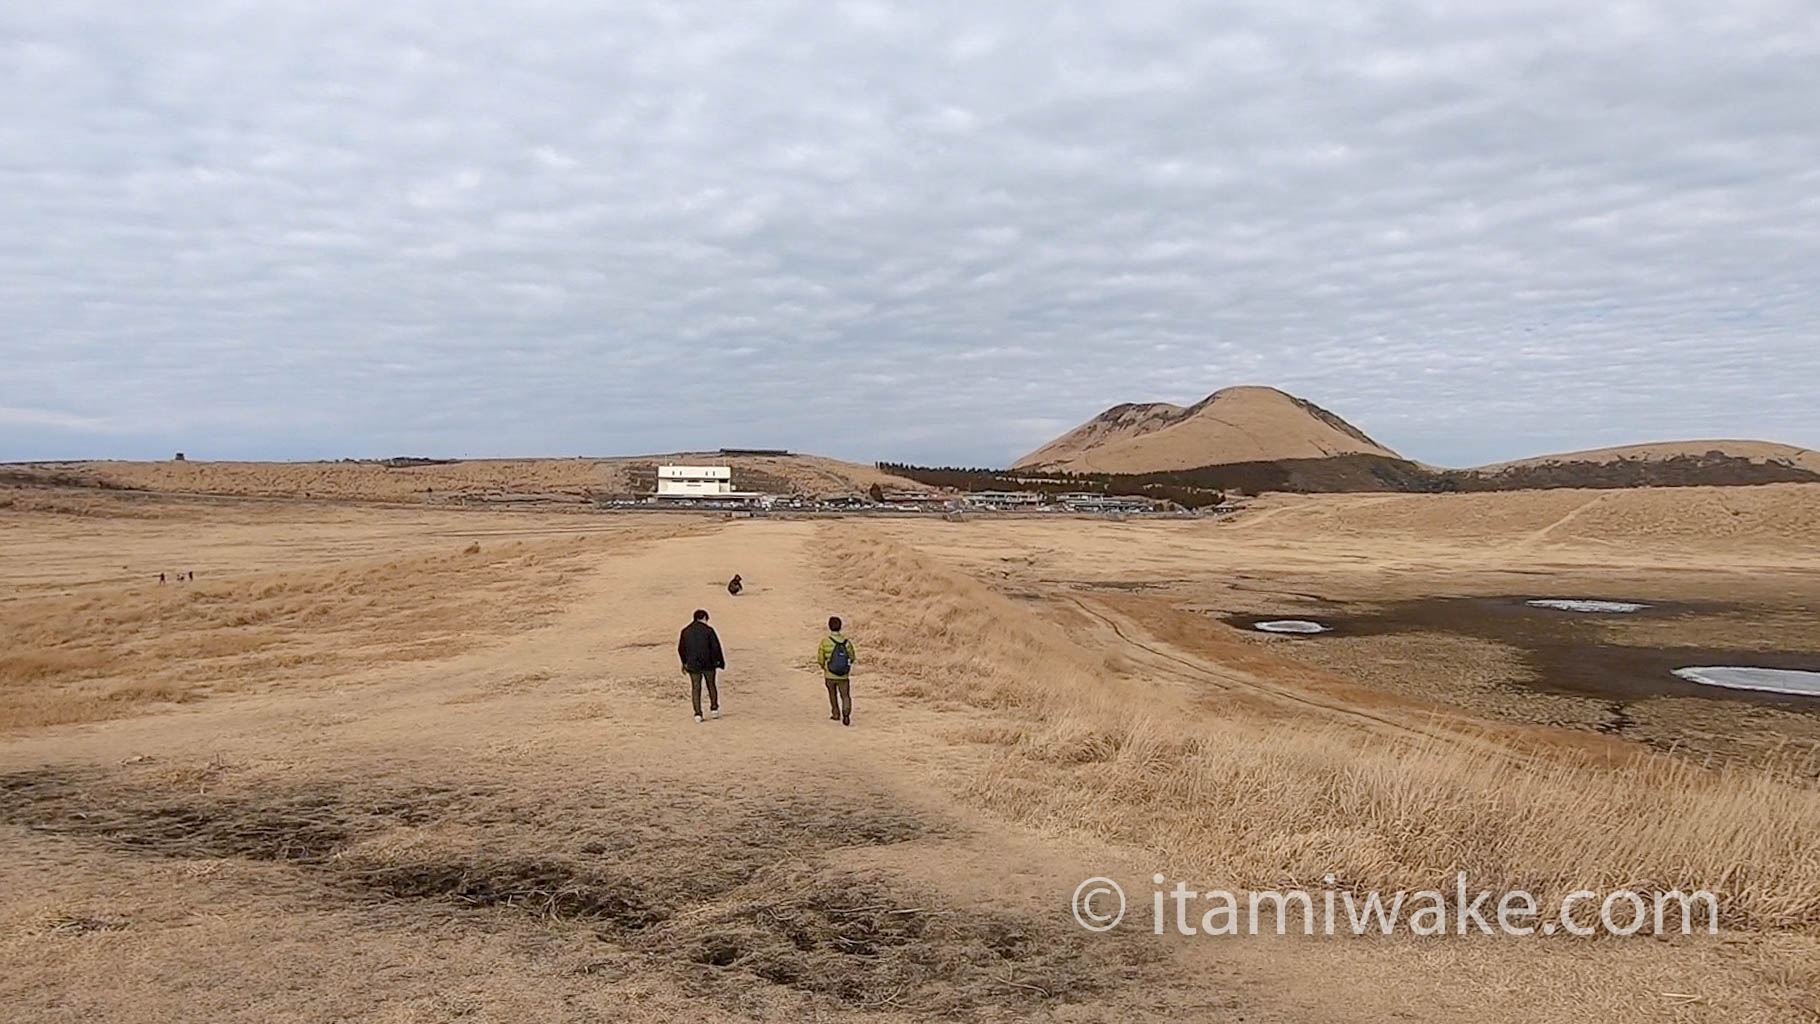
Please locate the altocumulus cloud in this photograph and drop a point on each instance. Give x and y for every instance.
(932, 231)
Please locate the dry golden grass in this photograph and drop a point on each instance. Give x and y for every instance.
(1270, 804)
(537, 830)
(572, 478)
(77, 502)
(1690, 524)
(96, 651)
(1731, 568)
(723, 895)
(82, 657)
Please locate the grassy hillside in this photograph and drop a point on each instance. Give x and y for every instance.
(1345, 473)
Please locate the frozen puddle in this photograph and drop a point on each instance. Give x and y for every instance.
(1768, 680)
(1575, 604)
(1289, 626)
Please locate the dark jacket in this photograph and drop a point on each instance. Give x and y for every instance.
(699, 648)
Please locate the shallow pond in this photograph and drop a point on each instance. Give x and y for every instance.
(1301, 627)
(1568, 651)
(1763, 680)
(1586, 605)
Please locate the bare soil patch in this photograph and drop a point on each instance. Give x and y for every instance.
(724, 893)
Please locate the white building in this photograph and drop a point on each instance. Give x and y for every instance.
(1108, 503)
(694, 482)
(1005, 499)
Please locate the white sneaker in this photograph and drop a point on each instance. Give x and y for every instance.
(698, 718)
(715, 712)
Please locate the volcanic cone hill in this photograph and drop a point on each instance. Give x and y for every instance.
(1239, 424)
(1260, 438)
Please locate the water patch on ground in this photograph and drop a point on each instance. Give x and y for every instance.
(1763, 680)
(1278, 625)
(1586, 605)
(1294, 626)
(1580, 654)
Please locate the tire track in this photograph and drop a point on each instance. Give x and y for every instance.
(1542, 535)
(1291, 697)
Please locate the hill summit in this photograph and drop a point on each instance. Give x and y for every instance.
(1238, 424)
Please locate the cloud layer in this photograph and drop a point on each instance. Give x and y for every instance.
(919, 231)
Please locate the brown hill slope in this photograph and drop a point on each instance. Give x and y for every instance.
(1240, 424)
(1660, 451)
(1660, 464)
(1261, 439)
(373, 480)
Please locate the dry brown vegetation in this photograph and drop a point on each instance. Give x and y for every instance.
(83, 656)
(521, 790)
(1262, 805)
(444, 482)
(768, 906)
(83, 649)
(436, 765)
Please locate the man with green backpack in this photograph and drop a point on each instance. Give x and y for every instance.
(837, 660)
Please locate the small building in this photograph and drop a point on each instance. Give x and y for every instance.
(694, 482)
(1107, 503)
(915, 499)
(1006, 499)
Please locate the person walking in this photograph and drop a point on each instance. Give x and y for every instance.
(699, 649)
(837, 659)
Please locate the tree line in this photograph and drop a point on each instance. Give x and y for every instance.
(1178, 488)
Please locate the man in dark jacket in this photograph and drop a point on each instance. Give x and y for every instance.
(699, 649)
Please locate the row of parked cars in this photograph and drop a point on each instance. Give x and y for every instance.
(965, 503)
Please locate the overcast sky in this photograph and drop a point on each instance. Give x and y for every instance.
(921, 231)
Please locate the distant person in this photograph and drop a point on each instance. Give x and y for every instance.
(161, 577)
(699, 649)
(837, 659)
(734, 586)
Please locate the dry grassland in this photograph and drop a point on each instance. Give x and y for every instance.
(87, 641)
(1380, 804)
(466, 479)
(359, 769)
